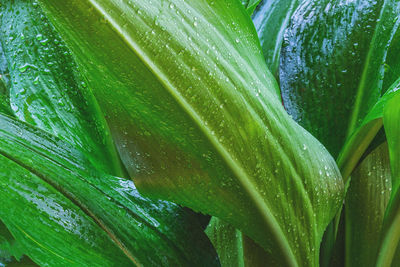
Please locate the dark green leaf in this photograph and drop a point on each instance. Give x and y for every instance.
(48, 177)
(46, 88)
(197, 119)
(234, 248)
(10, 249)
(333, 62)
(392, 64)
(359, 141)
(4, 84)
(366, 202)
(271, 19)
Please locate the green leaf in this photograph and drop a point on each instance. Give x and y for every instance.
(197, 118)
(392, 63)
(4, 84)
(10, 249)
(334, 52)
(52, 230)
(234, 248)
(366, 202)
(271, 19)
(55, 186)
(361, 138)
(391, 230)
(46, 88)
(250, 5)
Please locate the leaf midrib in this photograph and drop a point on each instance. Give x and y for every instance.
(236, 168)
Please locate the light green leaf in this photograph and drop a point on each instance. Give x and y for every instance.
(391, 230)
(197, 119)
(48, 177)
(366, 202)
(271, 19)
(45, 87)
(235, 249)
(52, 230)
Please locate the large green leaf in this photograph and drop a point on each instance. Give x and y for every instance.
(197, 120)
(271, 19)
(391, 230)
(44, 176)
(334, 52)
(366, 202)
(233, 247)
(46, 88)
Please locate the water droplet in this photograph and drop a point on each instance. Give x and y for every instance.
(237, 40)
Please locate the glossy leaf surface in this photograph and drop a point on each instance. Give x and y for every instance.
(56, 181)
(197, 119)
(271, 19)
(366, 202)
(250, 5)
(391, 230)
(392, 63)
(46, 88)
(334, 52)
(234, 248)
(359, 141)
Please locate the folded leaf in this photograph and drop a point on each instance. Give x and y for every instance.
(271, 19)
(197, 120)
(334, 52)
(366, 202)
(46, 88)
(150, 233)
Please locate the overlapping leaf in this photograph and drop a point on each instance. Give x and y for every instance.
(391, 230)
(366, 202)
(54, 187)
(233, 247)
(392, 63)
(333, 63)
(250, 5)
(271, 19)
(46, 88)
(195, 114)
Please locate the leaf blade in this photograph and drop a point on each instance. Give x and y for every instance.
(178, 121)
